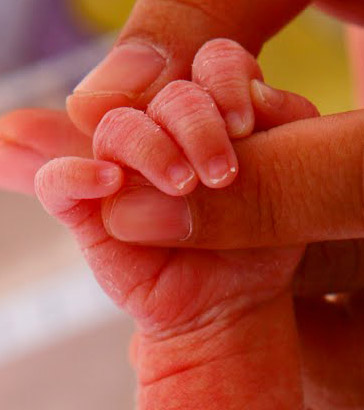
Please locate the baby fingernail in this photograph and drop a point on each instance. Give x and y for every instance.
(129, 69)
(180, 175)
(109, 175)
(239, 125)
(144, 214)
(219, 169)
(266, 94)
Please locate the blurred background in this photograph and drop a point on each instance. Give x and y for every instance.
(63, 345)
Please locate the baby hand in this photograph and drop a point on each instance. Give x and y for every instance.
(187, 303)
(191, 132)
(185, 135)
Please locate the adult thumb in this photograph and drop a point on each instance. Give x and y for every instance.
(299, 183)
(158, 45)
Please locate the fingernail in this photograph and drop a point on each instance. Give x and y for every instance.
(180, 175)
(267, 95)
(108, 175)
(219, 169)
(129, 69)
(239, 125)
(145, 214)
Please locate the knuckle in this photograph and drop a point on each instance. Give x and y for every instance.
(111, 117)
(222, 57)
(305, 109)
(219, 47)
(102, 133)
(228, 88)
(179, 102)
(129, 136)
(173, 93)
(115, 129)
(46, 178)
(40, 183)
(309, 108)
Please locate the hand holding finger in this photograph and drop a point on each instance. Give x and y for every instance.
(320, 199)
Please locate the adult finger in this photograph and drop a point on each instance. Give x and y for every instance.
(121, 134)
(277, 107)
(299, 183)
(233, 78)
(30, 138)
(152, 49)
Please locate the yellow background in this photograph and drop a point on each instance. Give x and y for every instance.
(308, 57)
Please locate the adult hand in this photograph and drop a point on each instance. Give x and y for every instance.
(29, 139)
(158, 45)
(159, 42)
(326, 330)
(181, 299)
(267, 289)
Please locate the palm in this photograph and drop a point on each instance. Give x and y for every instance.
(168, 288)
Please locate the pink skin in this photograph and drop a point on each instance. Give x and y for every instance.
(203, 316)
(155, 155)
(225, 69)
(191, 119)
(18, 166)
(64, 181)
(254, 353)
(185, 294)
(273, 109)
(152, 50)
(82, 105)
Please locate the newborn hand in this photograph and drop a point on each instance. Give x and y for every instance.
(159, 43)
(199, 313)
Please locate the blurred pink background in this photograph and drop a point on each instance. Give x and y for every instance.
(63, 345)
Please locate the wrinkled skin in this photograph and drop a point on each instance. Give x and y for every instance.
(342, 318)
(178, 298)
